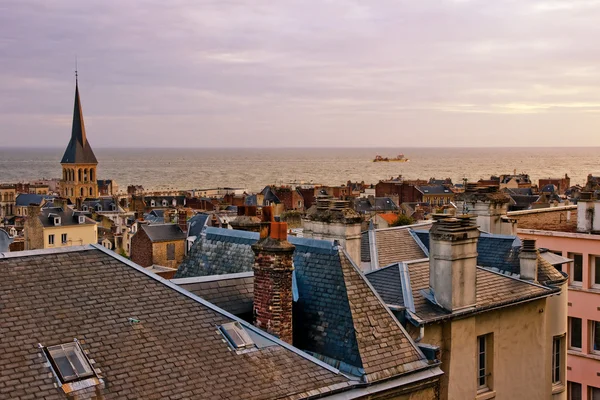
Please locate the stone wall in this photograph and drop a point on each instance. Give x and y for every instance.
(159, 253)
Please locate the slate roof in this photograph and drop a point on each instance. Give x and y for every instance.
(434, 189)
(175, 351)
(493, 289)
(163, 232)
(232, 292)
(25, 199)
(102, 204)
(334, 301)
(364, 205)
(196, 224)
(501, 253)
(67, 216)
(78, 150)
(396, 245)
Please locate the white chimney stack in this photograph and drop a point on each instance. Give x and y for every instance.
(453, 262)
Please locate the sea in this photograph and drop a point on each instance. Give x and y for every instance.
(252, 169)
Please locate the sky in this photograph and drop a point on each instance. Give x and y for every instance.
(306, 73)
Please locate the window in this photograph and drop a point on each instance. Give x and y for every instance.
(575, 333)
(576, 274)
(595, 272)
(557, 360)
(81, 219)
(484, 362)
(573, 391)
(50, 239)
(236, 335)
(69, 362)
(63, 238)
(171, 251)
(594, 393)
(595, 337)
(56, 221)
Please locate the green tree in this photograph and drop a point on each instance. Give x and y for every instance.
(403, 220)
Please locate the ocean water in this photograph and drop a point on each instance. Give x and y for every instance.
(162, 169)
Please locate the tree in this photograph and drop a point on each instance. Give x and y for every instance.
(403, 220)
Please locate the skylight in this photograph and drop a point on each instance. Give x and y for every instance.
(69, 362)
(236, 335)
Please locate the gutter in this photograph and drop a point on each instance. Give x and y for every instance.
(358, 392)
(481, 310)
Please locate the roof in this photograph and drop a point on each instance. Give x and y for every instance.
(393, 245)
(390, 218)
(25, 199)
(493, 289)
(196, 224)
(500, 253)
(232, 292)
(366, 204)
(78, 150)
(163, 232)
(68, 217)
(334, 302)
(85, 292)
(435, 189)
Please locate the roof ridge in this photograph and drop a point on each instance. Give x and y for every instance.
(40, 252)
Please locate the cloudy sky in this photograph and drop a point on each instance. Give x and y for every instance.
(279, 73)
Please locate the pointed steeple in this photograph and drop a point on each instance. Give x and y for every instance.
(78, 150)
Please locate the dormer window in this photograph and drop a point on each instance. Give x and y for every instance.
(164, 203)
(152, 203)
(81, 219)
(56, 221)
(85, 208)
(113, 207)
(98, 207)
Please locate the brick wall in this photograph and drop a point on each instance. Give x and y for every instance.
(141, 249)
(555, 220)
(159, 253)
(34, 230)
(406, 193)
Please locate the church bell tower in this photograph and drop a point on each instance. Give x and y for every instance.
(79, 163)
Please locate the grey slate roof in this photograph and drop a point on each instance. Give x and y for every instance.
(174, 351)
(364, 205)
(163, 232)
(78, 150)
(388, 284)
(25, 199)
(326, 316)
(67, 217)
(196, 224)
(434, 189)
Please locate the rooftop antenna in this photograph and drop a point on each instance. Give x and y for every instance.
(76, 76)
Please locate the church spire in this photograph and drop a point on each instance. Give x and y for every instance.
(78, 150)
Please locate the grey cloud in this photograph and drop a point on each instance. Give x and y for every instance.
(291, 73)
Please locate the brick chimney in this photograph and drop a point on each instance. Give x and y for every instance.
(273, 268)
(182, 220)
(453, 261)
(528, 260)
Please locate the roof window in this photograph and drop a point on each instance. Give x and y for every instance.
(81, 219)
(236, 335)
(56, 221)
(69, 362)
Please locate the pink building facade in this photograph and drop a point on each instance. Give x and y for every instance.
(583, 337)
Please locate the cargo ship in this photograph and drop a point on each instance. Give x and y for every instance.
(399, 158)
